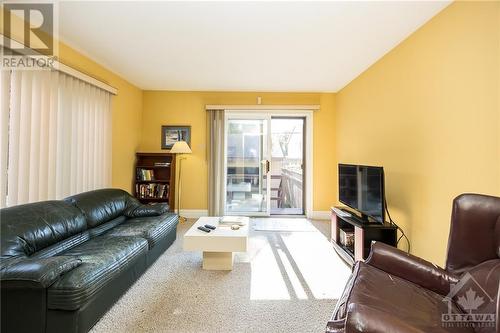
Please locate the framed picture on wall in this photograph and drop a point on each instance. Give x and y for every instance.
(172, 134)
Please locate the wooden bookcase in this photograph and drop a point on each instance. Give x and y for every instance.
(364, 234)
(154, 172)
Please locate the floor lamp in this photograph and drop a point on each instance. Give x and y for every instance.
(180, 148)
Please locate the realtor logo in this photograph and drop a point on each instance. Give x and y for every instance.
(37, 33)
(473, 300)
(29, 36)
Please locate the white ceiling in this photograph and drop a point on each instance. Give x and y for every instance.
(240, 46)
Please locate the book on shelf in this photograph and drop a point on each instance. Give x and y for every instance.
(152, 191)
(162, 164)
(145, 174)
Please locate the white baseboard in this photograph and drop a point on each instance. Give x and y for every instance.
(320, 215)
(193, 213)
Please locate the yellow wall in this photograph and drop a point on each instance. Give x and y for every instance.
(188, 108)
(126, 107)
(428, 112)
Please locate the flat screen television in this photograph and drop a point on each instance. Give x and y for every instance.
(361, 187)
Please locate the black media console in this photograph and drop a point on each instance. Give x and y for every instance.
(364, 233)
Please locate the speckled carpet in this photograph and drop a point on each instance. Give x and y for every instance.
(286, 282)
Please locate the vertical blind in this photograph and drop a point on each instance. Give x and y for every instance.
(56, 136)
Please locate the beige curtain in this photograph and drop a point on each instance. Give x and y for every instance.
(215, 162)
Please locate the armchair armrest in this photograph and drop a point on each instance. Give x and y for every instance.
(335, 326)
(411, 268)
(148, 210)
(36, 272)
(498, 311)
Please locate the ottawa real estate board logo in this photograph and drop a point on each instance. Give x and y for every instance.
(28, 35)
(478, 305)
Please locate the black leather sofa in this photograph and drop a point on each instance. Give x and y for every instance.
(64, 263)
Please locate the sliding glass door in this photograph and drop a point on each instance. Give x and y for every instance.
(265, 164)
(287, 165)
(247, 166)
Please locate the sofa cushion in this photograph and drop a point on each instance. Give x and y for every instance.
(100, 206)
(62, 246)
(380, 302)
(151, 228)
(148, 210)
(102, 228)
(26, 229)
(103, 258)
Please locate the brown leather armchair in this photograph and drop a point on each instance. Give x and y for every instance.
(397, 292)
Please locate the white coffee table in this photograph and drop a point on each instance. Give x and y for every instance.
(219, 245)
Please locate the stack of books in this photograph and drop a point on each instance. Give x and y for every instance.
(163, 191)
(152, 191)
(145, 174)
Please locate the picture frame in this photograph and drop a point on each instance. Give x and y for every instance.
(172, 134)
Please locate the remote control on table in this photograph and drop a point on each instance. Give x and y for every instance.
(204, 229)
(209, 226)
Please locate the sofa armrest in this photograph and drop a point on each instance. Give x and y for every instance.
(36, 272)
(411, 268)
(148, 210)
(23, 284)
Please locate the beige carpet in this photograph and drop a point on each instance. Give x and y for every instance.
(287, 282)
(284, 224)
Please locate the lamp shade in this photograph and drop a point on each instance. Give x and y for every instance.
(180, 147)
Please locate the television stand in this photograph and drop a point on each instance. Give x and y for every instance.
(364, 234)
